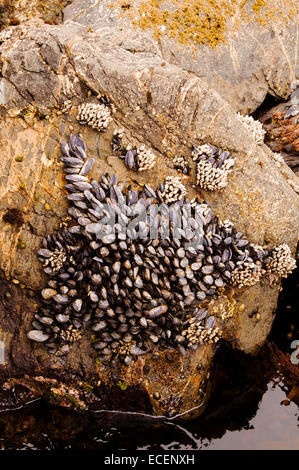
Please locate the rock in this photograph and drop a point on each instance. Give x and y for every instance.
(283, 133)
(255, 51)
(168, 108)
(13, 13)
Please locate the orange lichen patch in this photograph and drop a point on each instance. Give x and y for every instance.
(188, 21)
(197, 22)
(290, 135)
(266, 11)
(286, 130)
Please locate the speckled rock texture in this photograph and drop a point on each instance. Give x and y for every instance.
(258, 55)
(14, 12)
(169, 107)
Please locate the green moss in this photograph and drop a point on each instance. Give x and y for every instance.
(87, 386)
(73, 400)
(122, 386)
(21, 245)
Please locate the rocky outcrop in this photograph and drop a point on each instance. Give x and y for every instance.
(256, 43)
(168, 108)
(13, 12)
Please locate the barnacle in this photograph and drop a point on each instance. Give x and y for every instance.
(254, 127)
(213, 167)
(97, 116)
(135, 291)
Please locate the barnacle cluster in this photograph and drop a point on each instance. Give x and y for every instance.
(213, 166)
(54, 260)
(138, 158)
(200, 330)
(172, 189)
(134, 290)
(95, 115)
(135, 158)
(280, 261)
(226, 224)
(71, 334)
(117, 141)
(145, 158)
(254, 127)
(181, 164)
(67, 106)
(248, 274)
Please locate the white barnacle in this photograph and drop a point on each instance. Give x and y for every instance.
(174, 189)
(67, 106)
(254, 127)
(247, 274)
(181, 164)
(196, 333)
(146, 159)
(57, 260)
(213, 167)
(281, 261)
(226, 224)
(97, 116)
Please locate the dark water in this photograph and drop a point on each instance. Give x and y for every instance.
(248, 410)
(40, 426)
(254, 406)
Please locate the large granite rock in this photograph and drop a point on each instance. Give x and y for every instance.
(257, 54)
(168, 108)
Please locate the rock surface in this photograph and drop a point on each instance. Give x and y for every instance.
(258, 54)
(14, 12)
(168, 108)
(282, 133)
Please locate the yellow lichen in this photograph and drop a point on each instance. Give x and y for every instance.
(202, 22)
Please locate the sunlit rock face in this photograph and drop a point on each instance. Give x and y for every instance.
(51, 74)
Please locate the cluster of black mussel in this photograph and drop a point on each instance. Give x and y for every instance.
(134, 291)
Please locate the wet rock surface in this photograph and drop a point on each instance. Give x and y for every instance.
(243, 389)
(159, 102)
